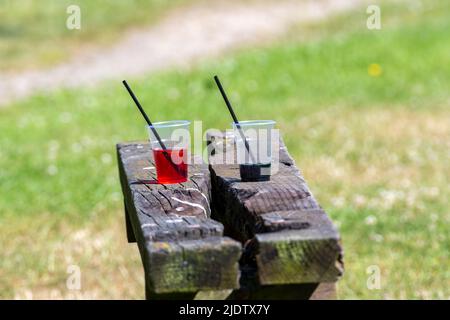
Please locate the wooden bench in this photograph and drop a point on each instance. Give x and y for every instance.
(217, 237)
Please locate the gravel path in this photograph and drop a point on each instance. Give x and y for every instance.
(183, 36)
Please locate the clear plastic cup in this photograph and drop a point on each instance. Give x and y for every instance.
(254, 153)
(171, 160)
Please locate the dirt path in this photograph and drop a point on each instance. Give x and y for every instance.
(181, 37)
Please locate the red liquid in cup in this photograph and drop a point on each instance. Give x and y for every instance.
(168, 170)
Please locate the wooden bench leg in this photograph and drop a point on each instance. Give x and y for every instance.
(213, 294)
(325, 291)
(305, 291)
(130, 233)
(168, 296)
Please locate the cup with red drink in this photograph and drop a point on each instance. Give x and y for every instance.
(170, 150)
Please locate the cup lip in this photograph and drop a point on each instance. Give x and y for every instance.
(170, 124)
(254, 122)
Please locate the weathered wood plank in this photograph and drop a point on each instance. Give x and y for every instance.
(162, 210)
(182, 248)
(298, 256)
(287, 237)
(191, 265)
(289, 244)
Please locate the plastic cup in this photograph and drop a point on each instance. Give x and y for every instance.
(254, 161)
(172, 162)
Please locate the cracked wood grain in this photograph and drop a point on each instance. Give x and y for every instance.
(182, 249)
(287, 237)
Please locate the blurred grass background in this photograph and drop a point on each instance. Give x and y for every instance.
(364, 113)
(33, 34)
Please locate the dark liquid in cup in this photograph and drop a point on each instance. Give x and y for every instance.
(255, 172)
(168, 170)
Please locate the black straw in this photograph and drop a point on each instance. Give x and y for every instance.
(233, 115)
(136, 101)
(163, 146)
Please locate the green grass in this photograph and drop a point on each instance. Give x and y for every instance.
(34, 33)
(374, 150)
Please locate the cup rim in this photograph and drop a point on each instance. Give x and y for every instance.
(254, 122)
(170, 124)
